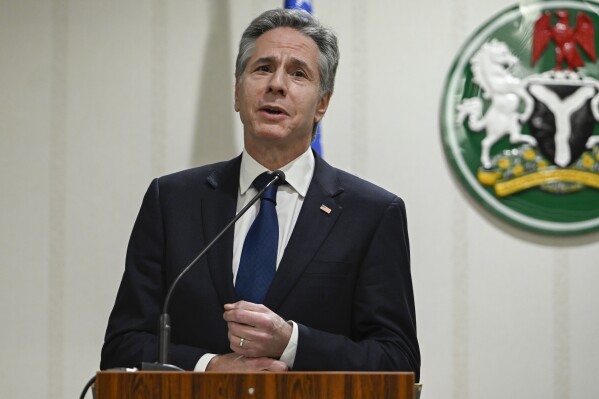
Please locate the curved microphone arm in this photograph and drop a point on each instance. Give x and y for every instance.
(165, 323)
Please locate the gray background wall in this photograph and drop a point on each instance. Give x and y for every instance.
(98, 97)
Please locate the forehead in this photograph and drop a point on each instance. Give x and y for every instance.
(285, 41)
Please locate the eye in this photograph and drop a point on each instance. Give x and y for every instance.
(299, 74)
(263, 68)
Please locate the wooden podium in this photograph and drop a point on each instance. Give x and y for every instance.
(290, 385)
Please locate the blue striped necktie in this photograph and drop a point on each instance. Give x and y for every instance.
(257, 265)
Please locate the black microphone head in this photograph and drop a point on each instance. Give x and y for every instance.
(281, 177)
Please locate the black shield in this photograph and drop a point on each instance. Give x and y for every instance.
(542, 123)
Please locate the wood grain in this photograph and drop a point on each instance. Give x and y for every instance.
(290, 385)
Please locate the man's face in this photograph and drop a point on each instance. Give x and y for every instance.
(277, 95)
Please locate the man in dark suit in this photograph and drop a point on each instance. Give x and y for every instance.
(340, 295)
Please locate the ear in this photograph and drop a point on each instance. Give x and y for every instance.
(322, 106)
(235, 104)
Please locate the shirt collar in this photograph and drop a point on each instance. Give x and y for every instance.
(298, 173)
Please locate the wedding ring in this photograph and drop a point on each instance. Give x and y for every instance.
(241, 342)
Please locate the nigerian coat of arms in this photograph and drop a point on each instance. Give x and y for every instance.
(520, 116)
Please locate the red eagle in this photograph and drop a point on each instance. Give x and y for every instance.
(565, 39)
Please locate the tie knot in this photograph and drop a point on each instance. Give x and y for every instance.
(271, 192)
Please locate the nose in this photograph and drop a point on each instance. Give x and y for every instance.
(278, 82)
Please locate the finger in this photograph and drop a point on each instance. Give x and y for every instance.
(239, 330)
(247, 306)
(248, 347)
(235, 362)
(235, 339)
(238, 344)
(248, 331)
(277, 366)
(250, 344)
(243, 316)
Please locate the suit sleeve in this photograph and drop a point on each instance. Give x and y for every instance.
(383, 322)
(132, 332)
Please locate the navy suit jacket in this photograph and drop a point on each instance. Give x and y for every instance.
(344, 276)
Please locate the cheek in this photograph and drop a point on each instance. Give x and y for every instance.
(308, 109)
(243, 103)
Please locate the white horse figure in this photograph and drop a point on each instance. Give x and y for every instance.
(490, 69)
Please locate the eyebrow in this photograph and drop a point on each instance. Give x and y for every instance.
(295, 61)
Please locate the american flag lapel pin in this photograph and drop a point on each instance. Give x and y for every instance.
(325, 209)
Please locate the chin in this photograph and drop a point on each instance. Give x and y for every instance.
(272, 134)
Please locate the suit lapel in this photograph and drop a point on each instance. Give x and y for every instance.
(218, 211)
(312, 222)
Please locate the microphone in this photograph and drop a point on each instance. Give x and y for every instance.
(278, 178)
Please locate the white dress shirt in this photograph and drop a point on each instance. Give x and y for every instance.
(290, 197)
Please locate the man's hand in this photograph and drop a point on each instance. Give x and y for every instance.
(235, 362)
(264, 333)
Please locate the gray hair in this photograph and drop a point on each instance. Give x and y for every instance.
(300, 20)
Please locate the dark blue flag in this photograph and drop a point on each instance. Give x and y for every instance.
(301, 4)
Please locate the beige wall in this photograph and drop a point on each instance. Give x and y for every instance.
(98, 97)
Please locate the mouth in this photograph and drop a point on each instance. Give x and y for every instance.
(273, 110)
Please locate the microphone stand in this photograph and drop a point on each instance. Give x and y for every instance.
(165, 320)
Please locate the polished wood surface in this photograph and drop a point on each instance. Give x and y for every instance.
(290, 385)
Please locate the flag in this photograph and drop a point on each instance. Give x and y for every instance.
(306, 5)
(301, 4)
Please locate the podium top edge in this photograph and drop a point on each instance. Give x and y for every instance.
(262, 372)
